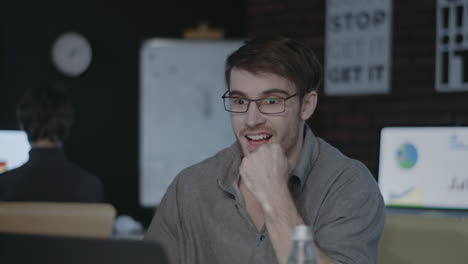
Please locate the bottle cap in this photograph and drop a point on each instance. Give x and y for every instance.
(301, 232)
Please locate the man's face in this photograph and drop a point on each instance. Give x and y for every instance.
(253, 128)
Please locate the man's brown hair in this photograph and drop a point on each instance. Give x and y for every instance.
(286, 57)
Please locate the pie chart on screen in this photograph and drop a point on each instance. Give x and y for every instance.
(407, 156)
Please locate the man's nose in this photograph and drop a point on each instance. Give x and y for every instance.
(253, 115)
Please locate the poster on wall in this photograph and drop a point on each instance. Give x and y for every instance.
(452, 46)
(358, 47)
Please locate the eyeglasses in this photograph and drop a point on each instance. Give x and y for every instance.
(235, 104)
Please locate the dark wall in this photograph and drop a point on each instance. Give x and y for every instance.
(353, 123)
(104, 139)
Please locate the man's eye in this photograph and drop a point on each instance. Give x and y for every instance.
(238, 101)
(270, 101)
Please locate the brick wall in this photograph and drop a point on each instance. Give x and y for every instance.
(353, 123)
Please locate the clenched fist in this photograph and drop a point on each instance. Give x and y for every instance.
(265, 172)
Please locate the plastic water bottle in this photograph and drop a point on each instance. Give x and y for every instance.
(302, 251)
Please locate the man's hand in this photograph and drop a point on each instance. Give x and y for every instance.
(265, 173)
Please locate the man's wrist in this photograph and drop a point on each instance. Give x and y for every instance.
(279, 208)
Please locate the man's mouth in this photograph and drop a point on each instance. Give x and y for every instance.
(258, 138)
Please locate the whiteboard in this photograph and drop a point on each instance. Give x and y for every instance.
(182, 117)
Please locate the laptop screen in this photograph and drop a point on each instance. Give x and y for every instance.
(424, 167)
(40, 249)
(14, 149)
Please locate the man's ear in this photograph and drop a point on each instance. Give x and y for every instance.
(309, 102)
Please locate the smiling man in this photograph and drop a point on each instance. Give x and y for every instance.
(240, 205)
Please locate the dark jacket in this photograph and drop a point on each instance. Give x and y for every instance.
(49, 176)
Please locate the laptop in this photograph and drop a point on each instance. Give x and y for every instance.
(424, 167)
(41, 249)
(14, 150)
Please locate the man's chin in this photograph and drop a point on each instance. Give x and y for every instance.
(245, 151)
(253, 148)
(248, 148)
(243, 148)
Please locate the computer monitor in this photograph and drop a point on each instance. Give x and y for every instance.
(424, 167)
(14, 149)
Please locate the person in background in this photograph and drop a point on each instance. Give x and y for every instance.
(46, 115)
(241, 205)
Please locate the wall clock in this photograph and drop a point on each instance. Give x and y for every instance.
(71, 54)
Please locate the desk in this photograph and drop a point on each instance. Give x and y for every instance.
(428, 239)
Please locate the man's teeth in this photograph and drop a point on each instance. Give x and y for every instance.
(258, 137)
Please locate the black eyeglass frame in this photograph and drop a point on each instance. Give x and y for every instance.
(256, 102)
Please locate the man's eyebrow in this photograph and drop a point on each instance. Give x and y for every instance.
(275, 90)
(236, 93)
(265, 93)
